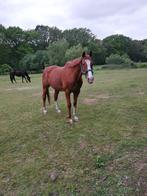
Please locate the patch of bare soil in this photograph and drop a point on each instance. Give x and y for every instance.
(89, 101)
(25, 88)
(102, 96)
(135, 164)
(137, 94)
(36, 94)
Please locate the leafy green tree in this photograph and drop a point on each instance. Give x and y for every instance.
(40, 59)
(144, 42)
(136, 51)
(14, 45)
(32, 39)
(74, 52)
(98, 52)
(34, 62)
(5, 50)
(27, 61)
(4, 69)
(78, 36)
(117, 44)
(56, 52)
(47, 35)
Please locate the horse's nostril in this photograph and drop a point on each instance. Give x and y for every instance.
(90, 80)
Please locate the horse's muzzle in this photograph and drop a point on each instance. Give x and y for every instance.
(90, 80)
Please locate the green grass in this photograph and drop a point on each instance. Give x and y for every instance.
(105, 153)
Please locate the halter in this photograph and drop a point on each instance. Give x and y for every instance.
(85, 72)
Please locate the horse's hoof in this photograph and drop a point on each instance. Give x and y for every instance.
(58, 111)
(70, 121)
(76, 119)
(44, 111)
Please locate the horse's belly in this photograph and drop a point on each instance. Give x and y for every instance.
(54, 81)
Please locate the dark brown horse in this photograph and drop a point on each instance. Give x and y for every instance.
(19, 73)
(67, 79)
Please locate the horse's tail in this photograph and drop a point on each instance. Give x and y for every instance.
(45, 86)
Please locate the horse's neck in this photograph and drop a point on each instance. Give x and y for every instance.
(76, 72)
(75, 68)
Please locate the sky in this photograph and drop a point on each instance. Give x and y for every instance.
(102, 17)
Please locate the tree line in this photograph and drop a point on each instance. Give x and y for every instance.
(33, 49)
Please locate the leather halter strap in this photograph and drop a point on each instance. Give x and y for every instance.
(85, 72)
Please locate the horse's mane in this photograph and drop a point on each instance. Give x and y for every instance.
(73, 63)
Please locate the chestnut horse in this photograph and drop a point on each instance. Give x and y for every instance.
(68, 79)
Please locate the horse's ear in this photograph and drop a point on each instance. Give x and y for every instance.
(83, 55)
(90, 54)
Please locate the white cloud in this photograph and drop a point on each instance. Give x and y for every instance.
(103, 17)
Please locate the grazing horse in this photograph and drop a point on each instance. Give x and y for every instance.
(19, 73)
(68, 79)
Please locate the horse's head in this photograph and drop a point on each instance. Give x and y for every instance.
(87, 67)
(29, 79)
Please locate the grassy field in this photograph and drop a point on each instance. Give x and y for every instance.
(105, 153)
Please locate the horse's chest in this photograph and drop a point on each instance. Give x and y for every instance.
(76, 86)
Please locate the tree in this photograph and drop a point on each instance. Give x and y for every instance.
(74, 52)
(47, 35)
(14, 45)
(4, 69)
(136, 51)
(34, 62)
(98, 52)
(40, 59)
(56, 52)
(78, 36)
(5, 50)
(117, 44)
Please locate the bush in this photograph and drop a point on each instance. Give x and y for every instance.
(4, 69)
(141, 65)
(122, 61)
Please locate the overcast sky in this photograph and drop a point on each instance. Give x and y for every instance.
(102, 17)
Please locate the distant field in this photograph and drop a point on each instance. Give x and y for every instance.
(105, 153)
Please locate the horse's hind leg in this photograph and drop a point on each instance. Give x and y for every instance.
(56, 93)
(11, 78)
(48, 94)
(44, 99)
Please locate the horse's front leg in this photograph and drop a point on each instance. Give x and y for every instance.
(75, 95)
(67, 94)
(14, 79)
(22, 79)
(26, 79)
(56, 101)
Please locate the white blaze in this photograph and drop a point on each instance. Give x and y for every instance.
(89, 74)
